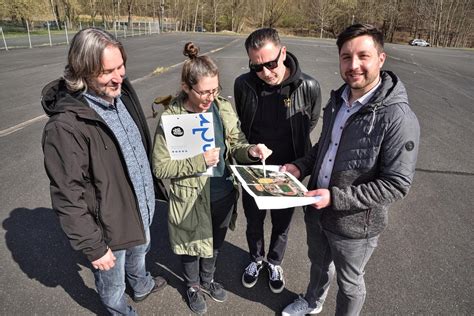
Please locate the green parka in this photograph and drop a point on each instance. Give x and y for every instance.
(189, 219)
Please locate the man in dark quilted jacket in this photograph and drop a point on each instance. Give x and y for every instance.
(363, 162)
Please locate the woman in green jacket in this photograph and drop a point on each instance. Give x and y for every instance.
(201, 206)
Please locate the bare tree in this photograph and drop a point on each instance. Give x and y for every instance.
(276, 8)
(238, 9)
(196, 16)
(129, 4)
(215, 10)
(24, 10)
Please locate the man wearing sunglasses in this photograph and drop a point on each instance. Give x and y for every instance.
(278, 105)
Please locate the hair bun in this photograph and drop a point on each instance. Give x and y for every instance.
(191, 50)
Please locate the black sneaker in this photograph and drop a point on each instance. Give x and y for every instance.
(196, 300)
(215, 291)
(250, 276)
(276, 280)
(160, 283)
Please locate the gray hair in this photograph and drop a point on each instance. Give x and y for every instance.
(85, 56)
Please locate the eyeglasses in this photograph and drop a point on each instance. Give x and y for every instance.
(206, 94)
(269, 64)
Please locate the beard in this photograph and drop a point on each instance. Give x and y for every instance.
(108, 91)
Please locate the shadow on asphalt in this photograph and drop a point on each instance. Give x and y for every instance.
(42, 251)
(230, 266)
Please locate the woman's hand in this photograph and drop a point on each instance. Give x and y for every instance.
(260, 151)
(212, 157)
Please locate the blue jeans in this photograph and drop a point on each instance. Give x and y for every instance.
(111, 284)
(331, 253)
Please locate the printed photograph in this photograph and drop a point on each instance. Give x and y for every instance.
(274, 183)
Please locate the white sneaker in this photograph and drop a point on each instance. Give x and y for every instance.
(300, 307)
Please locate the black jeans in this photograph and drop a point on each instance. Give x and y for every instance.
(198, 270)
(281, 220)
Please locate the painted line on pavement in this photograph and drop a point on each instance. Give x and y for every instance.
(20, 126)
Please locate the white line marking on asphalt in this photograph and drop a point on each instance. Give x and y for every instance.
(170, 271)
(20, 126)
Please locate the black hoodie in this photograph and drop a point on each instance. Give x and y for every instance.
(280, 116)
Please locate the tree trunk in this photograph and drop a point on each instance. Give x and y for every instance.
(196, 16)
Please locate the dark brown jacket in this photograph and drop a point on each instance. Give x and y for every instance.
(90, 188)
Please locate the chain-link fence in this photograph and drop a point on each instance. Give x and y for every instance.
(49, 33)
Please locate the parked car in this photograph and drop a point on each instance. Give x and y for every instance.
(418, 42)
(52, 25)
(200, 29)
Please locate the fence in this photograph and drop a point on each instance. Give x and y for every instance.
(49, 33)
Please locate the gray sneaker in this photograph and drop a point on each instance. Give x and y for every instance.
(300, 307)
(215, 291)
(196, 300)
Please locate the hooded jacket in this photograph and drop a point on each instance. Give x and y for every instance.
(189, 218)
(90, 188)
(374, 165)
(303, 110)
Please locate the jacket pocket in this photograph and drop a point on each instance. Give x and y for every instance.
(183, 211)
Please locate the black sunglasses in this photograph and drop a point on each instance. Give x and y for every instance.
(269, 64)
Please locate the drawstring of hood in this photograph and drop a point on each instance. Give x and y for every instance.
(372, 120)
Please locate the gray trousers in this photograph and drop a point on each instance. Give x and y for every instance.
(331, 253)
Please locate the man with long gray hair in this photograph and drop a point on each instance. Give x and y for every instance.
(97, 148)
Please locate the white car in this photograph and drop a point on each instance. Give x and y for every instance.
(418, 42)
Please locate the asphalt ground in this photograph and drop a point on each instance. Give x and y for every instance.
(423, 264)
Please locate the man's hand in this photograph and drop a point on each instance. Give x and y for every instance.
(291, 168)
(260, 151)
(212, 156)
(325, 200)
(106, 262)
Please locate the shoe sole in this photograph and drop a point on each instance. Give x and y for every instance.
(313, 312)
(213, 298)
(248, 285)
(317, 310)
(276, 291)
(196, 312)
(154, 290)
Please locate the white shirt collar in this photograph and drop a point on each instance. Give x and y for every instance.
(363, 99)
